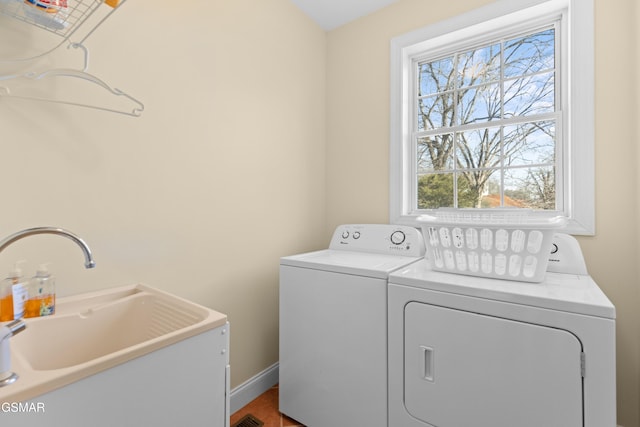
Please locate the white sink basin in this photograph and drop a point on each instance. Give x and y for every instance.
(95, 331)
(107, 328)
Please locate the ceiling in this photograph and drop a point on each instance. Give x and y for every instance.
(330, 14)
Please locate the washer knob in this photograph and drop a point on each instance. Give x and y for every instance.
(398, 237)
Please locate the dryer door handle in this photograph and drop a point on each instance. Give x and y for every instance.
(427, 366)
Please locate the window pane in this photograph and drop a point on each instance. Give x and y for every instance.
(478, 148)
(529, 54)
(435, 77)
(530, 143)
(435, 153)
(435, 191)
(435, 112)
(473, 188)
(470, 94)
(479, 66)
(532, 187)
(492, 197)
(529, 95)
(481, 104)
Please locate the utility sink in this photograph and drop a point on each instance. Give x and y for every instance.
(103, 328)
(96, 331)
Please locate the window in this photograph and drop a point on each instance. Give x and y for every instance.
(485, 121)
(495, 109)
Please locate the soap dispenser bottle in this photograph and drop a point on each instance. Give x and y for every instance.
(42, 296)
(13, 295)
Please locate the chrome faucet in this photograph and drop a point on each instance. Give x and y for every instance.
(10, 329)
(7, 331)
(88, 263)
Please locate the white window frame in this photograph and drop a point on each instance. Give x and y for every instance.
(577, 85)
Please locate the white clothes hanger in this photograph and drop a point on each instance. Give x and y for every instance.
(136, 111)
(77, 13)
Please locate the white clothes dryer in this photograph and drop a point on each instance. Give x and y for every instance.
(469, 351)
(333, 325)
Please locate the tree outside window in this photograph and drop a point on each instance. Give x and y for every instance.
(486, 123)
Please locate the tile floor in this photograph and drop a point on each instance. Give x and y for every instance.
(265, 408)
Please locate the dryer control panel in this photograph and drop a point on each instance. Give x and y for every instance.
(566, 256)
(379, 238)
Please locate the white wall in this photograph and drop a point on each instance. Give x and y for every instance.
(201, 195)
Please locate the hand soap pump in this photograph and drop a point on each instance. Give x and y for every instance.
(13, 295)
(42, 296)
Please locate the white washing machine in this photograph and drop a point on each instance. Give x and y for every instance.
(467, 351)
(333, 325)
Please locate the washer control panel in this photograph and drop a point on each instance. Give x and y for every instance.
(379, 238)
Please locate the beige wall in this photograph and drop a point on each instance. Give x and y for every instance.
(612, 256)
(637, 108)
(222, 174)
(225, 171)
(358, 123)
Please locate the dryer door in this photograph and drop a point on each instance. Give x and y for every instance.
(467, 369)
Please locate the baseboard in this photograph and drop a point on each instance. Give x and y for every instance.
(254, 387)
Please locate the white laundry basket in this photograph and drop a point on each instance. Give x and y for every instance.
(503, 244)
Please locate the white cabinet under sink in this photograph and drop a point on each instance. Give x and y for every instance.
(126, 356)
(182, 384)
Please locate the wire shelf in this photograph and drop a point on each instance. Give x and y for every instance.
(60, 17)
(63, 18)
